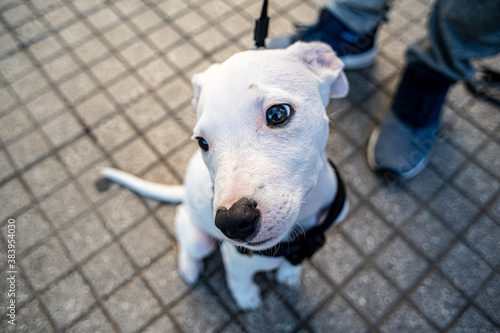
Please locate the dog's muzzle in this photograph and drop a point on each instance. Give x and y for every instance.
(241, 221)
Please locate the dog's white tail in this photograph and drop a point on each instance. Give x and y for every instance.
(169, 193)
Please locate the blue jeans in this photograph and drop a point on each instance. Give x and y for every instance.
(457, 31)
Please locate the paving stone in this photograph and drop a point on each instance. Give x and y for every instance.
(175, 93)
(479, 185)
(108, 269)
(62, 129)
(45, 106)
(425, 185)
(89, 182)
(170, 9)
(338, 148)
(104, 19)
(91, 50)
(126, 90)
(13, 197)
(108, 69)
(367, 230)
(184, 55)
(137, 53)
(337, 259)
(145, 242)
(489, 298)
(46, 48)
(28, 149)
(200, 312)
(32, 227)
(155, 73)
(64, 205)
(312, 292)
(7, 44)
(164, 278)
(85, 236)
(165, 141)
(7, 99)
(17, 15)
(79, 155)
(61, 67)
(465, 269)
(75, 33)
(146, 20)
(395, 204)
(145, 112)
(127, 8)
(122, 211)
(488, 157)
(164, 324)
(272, 315)
(68, 299)
(357, 126)
(401, 264)
(15, 124)
(77, 88)
(455, 209)
(340, 316)
(484, 115)
(31, 318)
(233, 26)
(94, 109)
(191, 23)
(446, 159)
(371, 293)
(23, 293)
(166, 216)
(46, 263)
(438, 300)
(95, 322)
(59, 17)
(113, 132)
(29, 84)
(473, 321)
(164, 37)
(356, 174)
(406, 319)
(31, 32)
(6, 168)
(119, 35)
(210, 40)
(463, 134)
(15, 66)
(135, 157)
(132, 306)
(428, 235)
(483, 237)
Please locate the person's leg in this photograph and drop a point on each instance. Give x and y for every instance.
(362, 16)
(458, 30)
(348, 26)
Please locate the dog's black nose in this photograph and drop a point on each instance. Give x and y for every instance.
(241, 221)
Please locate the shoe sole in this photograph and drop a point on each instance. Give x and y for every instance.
(370, 157)
(360, 60)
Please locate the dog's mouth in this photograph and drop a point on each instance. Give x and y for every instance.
(260, 245)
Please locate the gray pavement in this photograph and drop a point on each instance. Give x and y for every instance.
(88, 83)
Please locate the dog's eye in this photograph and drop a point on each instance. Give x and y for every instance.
(202, 143)
(278, 114)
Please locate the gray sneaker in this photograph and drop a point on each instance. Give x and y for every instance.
(399, 150)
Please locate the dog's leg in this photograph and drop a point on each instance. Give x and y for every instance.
(194, 245)
(288, 274)
(240, 270)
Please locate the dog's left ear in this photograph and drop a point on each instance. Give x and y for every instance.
(198, 82)
(328, 68)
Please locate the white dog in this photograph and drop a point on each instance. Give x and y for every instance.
(261, 177)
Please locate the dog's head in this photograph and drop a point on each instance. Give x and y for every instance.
(262, 129)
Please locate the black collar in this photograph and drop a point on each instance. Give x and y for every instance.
(312, 240)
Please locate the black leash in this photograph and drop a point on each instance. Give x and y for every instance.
(297, 250)
(261, 28)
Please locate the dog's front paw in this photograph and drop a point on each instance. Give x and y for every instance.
(189, 269)
(248, 299)
(289, 275)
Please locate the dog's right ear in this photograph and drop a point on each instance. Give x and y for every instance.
(198, 82)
